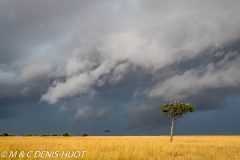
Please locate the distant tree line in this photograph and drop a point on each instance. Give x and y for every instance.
(66, 134)
(44, 135)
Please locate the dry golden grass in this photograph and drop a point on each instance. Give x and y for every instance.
(130, 147)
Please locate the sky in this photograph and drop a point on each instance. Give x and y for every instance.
(82, 66)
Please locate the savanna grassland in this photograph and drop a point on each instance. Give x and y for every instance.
(123, 147)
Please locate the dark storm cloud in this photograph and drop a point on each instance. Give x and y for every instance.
(144, 117)
(125, 58)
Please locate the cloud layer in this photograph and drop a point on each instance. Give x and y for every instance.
(152, 41)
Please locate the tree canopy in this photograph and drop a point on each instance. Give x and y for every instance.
(177, 109)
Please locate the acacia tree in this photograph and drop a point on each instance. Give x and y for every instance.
(106, 131)
(175, 110)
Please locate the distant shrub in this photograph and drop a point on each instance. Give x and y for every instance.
(66, 134)
(222, 134)
(4, 134)
(84, 135)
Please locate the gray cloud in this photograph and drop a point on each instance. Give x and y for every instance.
(95, 114)
(223, 74)
(152, 49)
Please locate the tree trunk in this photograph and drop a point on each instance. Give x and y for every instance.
(171, 133)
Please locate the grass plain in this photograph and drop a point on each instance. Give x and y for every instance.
(127, 147)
